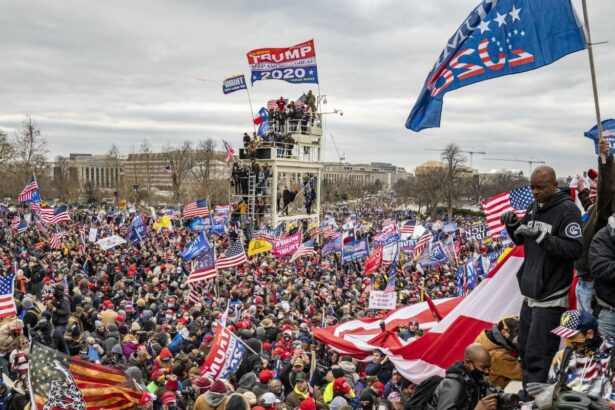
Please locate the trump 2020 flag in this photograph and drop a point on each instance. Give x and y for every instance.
(498, 38)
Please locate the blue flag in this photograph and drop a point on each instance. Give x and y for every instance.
(498, 38)
(200, 244)
(608, 133)
(234, 83)
(333, 246)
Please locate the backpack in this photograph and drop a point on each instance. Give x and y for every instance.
(421, 397)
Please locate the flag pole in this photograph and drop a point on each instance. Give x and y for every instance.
(252, 111)
(592, 69)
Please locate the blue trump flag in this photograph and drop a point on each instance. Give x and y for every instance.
(200, 244)
(498, 38)
(234, 83)
(608, 133)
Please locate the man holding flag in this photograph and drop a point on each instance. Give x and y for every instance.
(550, 232)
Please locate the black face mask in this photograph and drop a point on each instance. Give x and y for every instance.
(478, 375)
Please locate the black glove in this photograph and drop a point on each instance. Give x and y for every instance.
(525, 231)
(509, 218)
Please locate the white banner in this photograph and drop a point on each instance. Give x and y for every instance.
(379, 299)
(110, 242)
(92, 235)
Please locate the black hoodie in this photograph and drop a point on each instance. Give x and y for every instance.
(546, 272)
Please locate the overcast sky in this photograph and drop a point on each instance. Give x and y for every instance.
(97, 73)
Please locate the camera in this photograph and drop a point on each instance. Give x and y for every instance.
(506, 401)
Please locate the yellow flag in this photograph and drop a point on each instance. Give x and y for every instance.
(122, 204)
(257, 246)
(163, 222)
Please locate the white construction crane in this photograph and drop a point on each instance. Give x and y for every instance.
(341, 156)
(531, 162)
(472, 153)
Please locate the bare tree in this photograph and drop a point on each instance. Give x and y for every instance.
(146, 151)
(453, 164)
(204, 155)
(30, 149)
(429, 190)
(7, 151)
(477, 186)
(181, 161)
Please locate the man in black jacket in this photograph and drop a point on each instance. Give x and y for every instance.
(602, 267)
(60, 310)
(465, 387)
(550, 232)
(598, 208)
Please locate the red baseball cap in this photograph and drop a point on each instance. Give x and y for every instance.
(341, 386)
(168, 397)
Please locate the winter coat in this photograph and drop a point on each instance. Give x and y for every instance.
(294, 399)
(504, 366)
(201, 404)
(458, 390)
(598, 213)
(546, 272)
(383, 371)
(8, 341)
(602, 267)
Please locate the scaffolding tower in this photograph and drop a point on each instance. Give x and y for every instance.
(295, 171)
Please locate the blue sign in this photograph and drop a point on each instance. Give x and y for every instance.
(498, 38)
(356, 250)
(197, 246)
(449, 228)
(233, 84)
(408, 245)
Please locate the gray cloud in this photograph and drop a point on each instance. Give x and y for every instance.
(93, 74)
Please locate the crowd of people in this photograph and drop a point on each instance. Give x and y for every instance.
(130, 307)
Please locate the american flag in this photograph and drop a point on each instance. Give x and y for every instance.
(166, 169)
(15, 222)
(300, 102)
(326, 264)
(7, 303)
(196, 209)
(329, 232)
(268, 235)
(407, 228)
(30, 192)
(57, 214)
(61, 381)
(234, 256)
(203, 266)
(306, 249)
(422, 242)
(196, 293)
(229, 151)
(271, 105)
(516, 201)
(56, 239)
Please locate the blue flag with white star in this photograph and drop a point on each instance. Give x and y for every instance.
(498, 38)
